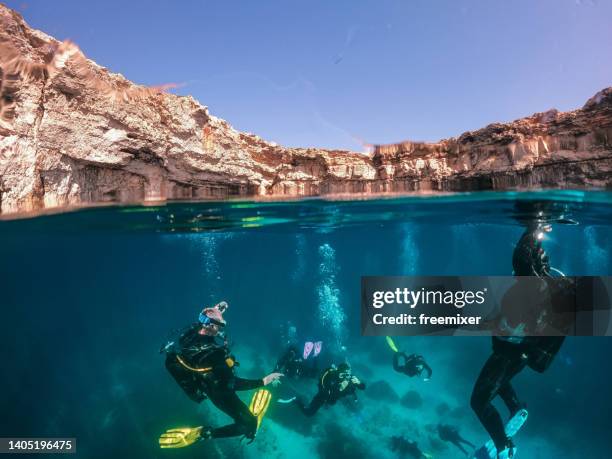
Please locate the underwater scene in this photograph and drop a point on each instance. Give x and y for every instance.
(93, 300)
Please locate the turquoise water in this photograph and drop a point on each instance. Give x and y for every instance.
(88, 298)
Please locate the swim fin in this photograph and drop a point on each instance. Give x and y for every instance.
(259, 404)
(391, 344)
(180, 437)
(308, 347)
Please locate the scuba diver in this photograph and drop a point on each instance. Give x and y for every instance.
(335, 383)
(413, 365)
(202, 364)
(451, 434)
(410, 365)
(290, 363)
(296, 365)
(511, 354)
(406, 447)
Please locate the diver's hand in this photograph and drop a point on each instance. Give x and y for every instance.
(355, 380)
(272, 378)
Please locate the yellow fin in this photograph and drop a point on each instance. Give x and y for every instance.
(180, 437)
(391, 344)
(259, 404)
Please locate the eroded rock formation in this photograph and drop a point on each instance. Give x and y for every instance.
(67, 139)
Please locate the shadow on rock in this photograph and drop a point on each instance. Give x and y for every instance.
(339, 443)
(382, 391)
(412, 399)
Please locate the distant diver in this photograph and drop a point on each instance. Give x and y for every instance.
(411, 365)
(202, 364)
(295, 365)
(511, 354)
(335, 383)
(404, 447)
(451, 434)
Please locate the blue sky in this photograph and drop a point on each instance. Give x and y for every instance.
(333, 73)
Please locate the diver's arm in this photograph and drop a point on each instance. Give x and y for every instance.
(357, 383)
(247, 384)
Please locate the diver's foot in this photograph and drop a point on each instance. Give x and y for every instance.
(507, 450)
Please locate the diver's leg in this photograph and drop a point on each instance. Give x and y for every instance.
(396, 364)
(313, 369)
(491, 378)
(458, 445)
(469, 443)
(244, 422)
(315, 404)
(516, 362)
(508, 395)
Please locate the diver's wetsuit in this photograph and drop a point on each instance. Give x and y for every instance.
(413, 365)
(529, 257)
(292, 365)
(332, 387)
(451, 435)
(203, 367)
(509, 357)
(512, 354)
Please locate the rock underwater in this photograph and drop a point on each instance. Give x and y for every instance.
(72, 134)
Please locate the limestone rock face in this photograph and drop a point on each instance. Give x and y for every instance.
(72, 133)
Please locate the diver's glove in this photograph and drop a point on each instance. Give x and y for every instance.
(272, 378)
(355, 380)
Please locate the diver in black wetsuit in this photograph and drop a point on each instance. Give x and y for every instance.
(451, 434)
(413, 364)
(201, 363)
(291, 364)
(511, 354)
(335, 383)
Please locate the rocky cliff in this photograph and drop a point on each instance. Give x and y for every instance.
(72, 133)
